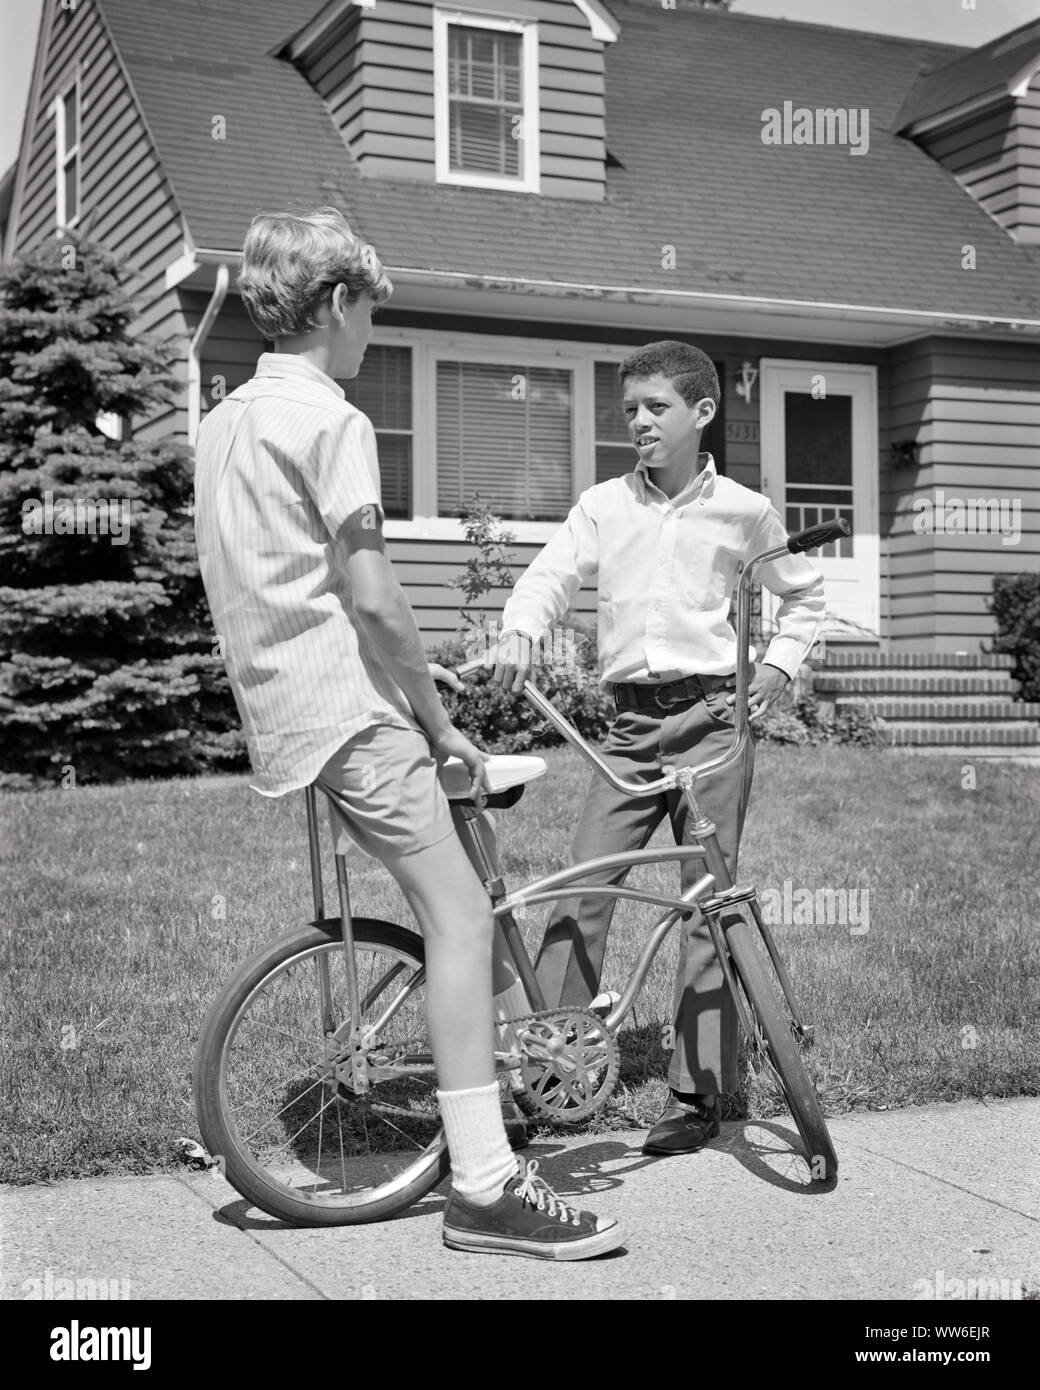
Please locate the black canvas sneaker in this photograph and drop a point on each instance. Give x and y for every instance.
(529, 1219)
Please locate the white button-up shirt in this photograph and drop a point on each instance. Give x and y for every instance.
(665, 570)
(281, 464)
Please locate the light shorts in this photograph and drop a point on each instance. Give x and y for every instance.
(384, 793)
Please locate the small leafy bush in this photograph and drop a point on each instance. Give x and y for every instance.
(803, 722)
(500, 722)
(1016, 607)
(496, 720)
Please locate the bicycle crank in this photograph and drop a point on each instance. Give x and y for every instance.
(569, 1064)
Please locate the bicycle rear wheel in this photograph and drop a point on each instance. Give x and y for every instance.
(777, 1039)
(270, 1096)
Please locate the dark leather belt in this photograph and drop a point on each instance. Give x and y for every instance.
(671, 695)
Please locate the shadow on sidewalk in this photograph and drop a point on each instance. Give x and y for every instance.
(768, 1150)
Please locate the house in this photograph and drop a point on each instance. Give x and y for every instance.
(848, 223)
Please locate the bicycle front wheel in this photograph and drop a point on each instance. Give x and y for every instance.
(272, 1096)
(777, 1039)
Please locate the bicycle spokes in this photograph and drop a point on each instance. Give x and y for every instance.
(288, 1074)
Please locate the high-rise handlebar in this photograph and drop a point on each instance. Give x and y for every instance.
(808, 539)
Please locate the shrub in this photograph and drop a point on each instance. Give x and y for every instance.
(1016, 607)
(500, 722)
(107, 667)
(803, 721)
(495, 719)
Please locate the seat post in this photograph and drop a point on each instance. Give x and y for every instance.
(315, 852)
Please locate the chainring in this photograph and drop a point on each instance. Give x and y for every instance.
(569, 1064)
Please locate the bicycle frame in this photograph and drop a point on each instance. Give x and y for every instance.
(700, 828)
(360, 1079)
(564, 882)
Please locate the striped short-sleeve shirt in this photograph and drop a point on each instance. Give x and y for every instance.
(280, 465)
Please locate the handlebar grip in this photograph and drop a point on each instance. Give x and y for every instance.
(813, 536)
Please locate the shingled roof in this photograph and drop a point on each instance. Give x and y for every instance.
(988, 73)
(686, 89)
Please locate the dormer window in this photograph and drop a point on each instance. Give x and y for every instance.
(486, 95)
(67, 154)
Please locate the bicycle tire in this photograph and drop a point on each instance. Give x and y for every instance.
(784, 1053)
(220, 1128)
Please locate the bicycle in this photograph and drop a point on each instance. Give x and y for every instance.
(323, 1030)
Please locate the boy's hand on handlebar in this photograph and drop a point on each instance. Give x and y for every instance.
(765, 688)
(451, 743)
(513, 661)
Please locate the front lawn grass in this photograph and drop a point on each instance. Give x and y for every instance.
(127, 906)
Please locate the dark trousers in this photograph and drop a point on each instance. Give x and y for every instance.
(638, 747)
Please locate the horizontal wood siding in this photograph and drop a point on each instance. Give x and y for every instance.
(375, 72)
(974, 409)
(230, 352)
(426, 569)
(996, 158)
(127, 204)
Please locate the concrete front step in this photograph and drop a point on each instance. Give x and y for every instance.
(937, 661)
(939, 709)
(978, 752)
(931, 683)
(963, 735)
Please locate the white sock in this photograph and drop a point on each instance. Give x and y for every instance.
(481, 1159)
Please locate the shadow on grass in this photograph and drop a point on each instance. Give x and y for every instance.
(644, 1060)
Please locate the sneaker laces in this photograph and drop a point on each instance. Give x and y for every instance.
(540, 1195)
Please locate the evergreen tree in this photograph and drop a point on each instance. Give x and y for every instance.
(107, 663)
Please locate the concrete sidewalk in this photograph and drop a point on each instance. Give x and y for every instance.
(944, 1196)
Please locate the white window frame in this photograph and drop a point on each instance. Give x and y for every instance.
(432, 346)
(530, 181)
(404, 339)
(62, 156)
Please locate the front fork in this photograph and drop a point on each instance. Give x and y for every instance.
(699, 827)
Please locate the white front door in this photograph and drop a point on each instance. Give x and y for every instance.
(820, 461)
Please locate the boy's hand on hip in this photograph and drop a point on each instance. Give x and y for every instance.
(450, 743)
(513, 661)
(765, 688)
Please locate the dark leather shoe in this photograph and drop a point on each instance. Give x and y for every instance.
(683, 1128)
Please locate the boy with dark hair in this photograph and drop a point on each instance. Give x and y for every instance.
(331, 681)
(665, 545)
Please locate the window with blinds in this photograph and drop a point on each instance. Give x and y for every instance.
(485, 101)
(505, 432)
(614, 452)
(383, 390)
